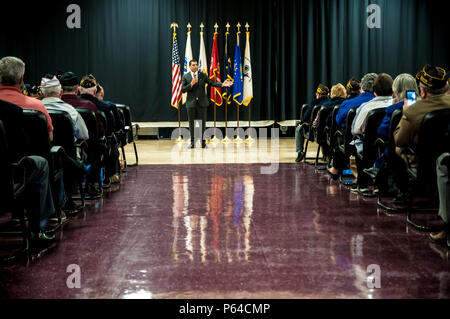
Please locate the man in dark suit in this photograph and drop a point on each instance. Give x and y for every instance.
(194, 84)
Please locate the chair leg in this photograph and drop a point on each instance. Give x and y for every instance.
(136, 155)
(411, 222)
(124, 159)
(388, 208)
(323, 166)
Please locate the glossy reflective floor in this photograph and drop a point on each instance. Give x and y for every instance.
(228, 231)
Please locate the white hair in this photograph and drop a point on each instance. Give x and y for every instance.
(12, 69)
(88, 91)
(402, 83)
(53, 91)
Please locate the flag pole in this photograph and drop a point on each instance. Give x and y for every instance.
(174, 26)
(238, 139)
(226, 139)
(249, 139)
(215, 139)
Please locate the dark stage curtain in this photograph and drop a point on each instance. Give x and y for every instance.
(295, 45)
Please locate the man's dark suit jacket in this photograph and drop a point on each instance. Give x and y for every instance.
(197, 92)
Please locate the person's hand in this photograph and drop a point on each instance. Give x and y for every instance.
(228, 83)
(194, 81)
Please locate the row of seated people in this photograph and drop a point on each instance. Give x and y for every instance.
(78, 145)
(369, 134)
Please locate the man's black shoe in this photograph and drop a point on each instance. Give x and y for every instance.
(204, 145)
(300, 157)
(191, 146)
(70, 207)
(93, 192)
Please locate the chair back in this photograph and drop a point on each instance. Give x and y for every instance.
(392, 156)
(36, 131)
(91, 123)
(6, 181)
(321, 136)
(374, 119)
(434, 140)
(332, 127)
(63, 134)
(343, 144)
(128, 121)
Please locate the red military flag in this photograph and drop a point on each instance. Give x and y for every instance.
(214, 73)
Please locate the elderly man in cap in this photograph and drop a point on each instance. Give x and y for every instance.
(433, 87)
(88, 88)
(70, 86)
(74, 169)
(52, 92)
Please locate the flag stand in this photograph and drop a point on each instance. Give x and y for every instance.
(248, 102)
(215, 139)
(238, 139)
(226, 140)
(249, 139)
(174, 26)
(180, 137)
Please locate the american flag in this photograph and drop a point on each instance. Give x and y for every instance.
(176, 74)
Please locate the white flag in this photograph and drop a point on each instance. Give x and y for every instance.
(188, 58)
(202, 62)
(248, 79)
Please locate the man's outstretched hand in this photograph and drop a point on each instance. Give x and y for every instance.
(228, 83)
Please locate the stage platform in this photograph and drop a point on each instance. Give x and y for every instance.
(164, 129)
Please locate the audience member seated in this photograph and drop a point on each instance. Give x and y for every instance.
(382, 87)
(365, 96)
(338, 95)
(118, 119)
(88, 91)
(39, 199)
(322, 94)
(74, 169)
(52, 92)
(339, 161)
(402, 83)
(70, 86)
(442, 166)
(13, 70)
(120, 126)
(353, 88)
(433, 87)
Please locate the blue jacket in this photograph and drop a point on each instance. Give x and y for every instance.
(307, 115)
(352, 104)
(383, 130)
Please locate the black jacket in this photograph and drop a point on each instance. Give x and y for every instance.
(197, 92)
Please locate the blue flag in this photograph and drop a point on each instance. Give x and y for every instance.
(238, 87)
(227, 95)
